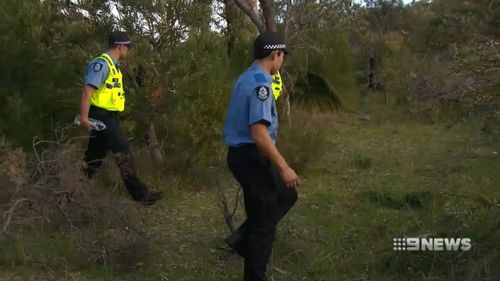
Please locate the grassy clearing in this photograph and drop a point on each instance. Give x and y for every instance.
(373, 183)
(380, 182)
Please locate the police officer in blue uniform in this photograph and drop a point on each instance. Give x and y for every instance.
(250, 131)
(102, 98)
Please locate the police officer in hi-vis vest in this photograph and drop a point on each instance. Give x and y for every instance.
(250, 131)
(102, 98)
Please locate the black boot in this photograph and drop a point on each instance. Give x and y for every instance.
(236, 241)
(152, 197)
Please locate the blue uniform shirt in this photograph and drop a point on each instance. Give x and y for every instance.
(251, 102)
(97, 72)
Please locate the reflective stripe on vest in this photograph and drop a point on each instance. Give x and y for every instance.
(110, 95)
(277, 85)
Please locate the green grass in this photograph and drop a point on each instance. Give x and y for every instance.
(380, 182)
(374, 183)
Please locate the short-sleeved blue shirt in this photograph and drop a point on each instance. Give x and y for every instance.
(97, 72)
(251, 102)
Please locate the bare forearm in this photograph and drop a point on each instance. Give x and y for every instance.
(85, 101)
(267, 147)
(263, 141)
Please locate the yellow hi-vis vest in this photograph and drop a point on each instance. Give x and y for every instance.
(110, 95)
(277, 85)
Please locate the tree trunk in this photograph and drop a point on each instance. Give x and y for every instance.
(155, 151)
(239, 26)
(371, 73)
(154, 148)
(269, 15)
(288, 110)
(249, 8)
(230, 14)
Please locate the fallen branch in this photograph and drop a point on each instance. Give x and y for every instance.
(224, 205)
(9, 213)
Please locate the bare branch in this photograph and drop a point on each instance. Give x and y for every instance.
(9, 213)
(251, 14)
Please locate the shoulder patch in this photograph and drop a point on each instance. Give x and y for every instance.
(97, 66)
(263, 93)
(260, 78)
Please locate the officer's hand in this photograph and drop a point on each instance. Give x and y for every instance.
(85, 123)
(290, 177)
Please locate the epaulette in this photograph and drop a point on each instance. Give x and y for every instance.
(260, 78)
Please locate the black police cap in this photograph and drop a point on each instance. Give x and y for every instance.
(119, 38)
(269, 41)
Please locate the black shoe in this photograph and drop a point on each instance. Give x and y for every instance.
(236, 242)
(152, 197)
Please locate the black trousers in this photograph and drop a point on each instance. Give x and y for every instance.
(112, 139)
(267, 200)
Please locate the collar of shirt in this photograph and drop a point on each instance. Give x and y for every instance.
(256, 67)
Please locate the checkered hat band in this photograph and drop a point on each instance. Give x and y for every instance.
(121, 42)
(274, 47)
